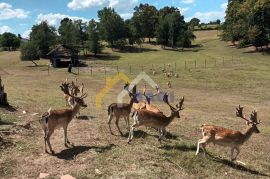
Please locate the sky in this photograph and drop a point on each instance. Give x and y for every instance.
(18, 16)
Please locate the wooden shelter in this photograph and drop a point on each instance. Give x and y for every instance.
(3, 95)
(63, 55)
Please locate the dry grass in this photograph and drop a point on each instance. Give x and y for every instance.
(211, 96)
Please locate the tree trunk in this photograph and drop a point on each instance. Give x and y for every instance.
(149, 39)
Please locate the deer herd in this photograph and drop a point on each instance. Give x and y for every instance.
(143, 114)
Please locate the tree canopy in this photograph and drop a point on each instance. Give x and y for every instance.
(9, 41)
(30, 52)
(44, 36)
(248, 21)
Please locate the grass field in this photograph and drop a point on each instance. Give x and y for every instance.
(211, 94)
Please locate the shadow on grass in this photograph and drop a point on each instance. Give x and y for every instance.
(236, 166)
(137, 134)
(9, 108)
(71, 153)
(6, 123)
(130, 49)
(85, 117)
(103, 57)
(181, 147)
(5, 143)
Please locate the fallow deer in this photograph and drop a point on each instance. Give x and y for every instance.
(60, 118)
(119, 110)
(155, 120)
(227, 137)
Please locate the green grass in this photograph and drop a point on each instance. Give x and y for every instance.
(212, 93)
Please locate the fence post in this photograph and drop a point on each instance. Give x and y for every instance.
(195, 63)
(48, 69)
(91, 70)
(205, 63)
(105, 71)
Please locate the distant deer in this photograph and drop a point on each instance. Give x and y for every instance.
(60, 118)
(119, 110)
(227, 137)
(155, 120)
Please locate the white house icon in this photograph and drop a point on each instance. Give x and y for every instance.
(141, 76)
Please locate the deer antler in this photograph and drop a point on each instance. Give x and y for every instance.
(165, 99)
(253, 117)
(126, 86)
(65, 87)
(180, 104)
(239, 113)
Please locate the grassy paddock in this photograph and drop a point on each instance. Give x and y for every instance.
(212, 93)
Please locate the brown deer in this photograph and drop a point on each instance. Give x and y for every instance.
(155, 120)
(60, 118)
(227, 137)
(119, 110)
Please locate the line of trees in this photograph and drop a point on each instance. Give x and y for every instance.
(248, 22)
(9, 41)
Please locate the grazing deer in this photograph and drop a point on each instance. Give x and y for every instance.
(119, 110)
(148, 104)
(155, 120)
(227, 137)
(60, 118)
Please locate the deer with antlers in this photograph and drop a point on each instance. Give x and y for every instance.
(71, 88)
(119, 110)
(60, 118)
(156, 120)
(227, 137)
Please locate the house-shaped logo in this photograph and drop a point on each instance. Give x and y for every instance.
(141, 76)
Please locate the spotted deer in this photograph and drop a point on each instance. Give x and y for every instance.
(155, 120)
(227, 137)
(58, 118)
(119, 110)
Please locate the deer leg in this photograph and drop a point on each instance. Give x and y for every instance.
(117, 125)
(232, 151)
(109, 123)
(131, 133)
(66, 138)
(50, 132)
(203, 142)
(127, 122)
(45, 136)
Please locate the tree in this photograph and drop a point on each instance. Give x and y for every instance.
(93, 37)
(10, 41)
(172, 29)
(194, 22)
(112, 27)
(69, 32)
(44, 36)
(146, 16)
(248, 21)
(30, 52)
